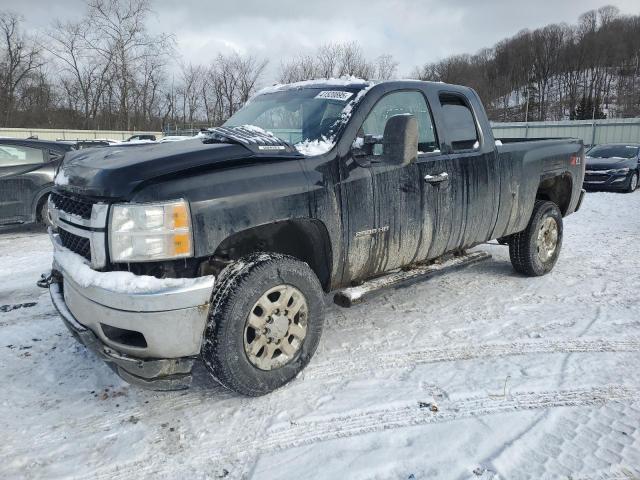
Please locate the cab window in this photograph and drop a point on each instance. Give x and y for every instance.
(399, 103)
(11, 155)
(459, 121)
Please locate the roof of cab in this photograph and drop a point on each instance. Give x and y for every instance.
(353, 82)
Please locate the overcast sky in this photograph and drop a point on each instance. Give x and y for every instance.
(413, 31)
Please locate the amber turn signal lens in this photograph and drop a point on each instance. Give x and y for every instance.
(180, 216)
(181, 244)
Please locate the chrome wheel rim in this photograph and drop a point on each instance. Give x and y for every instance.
(634, 181)
(276, 327)
(547, 240)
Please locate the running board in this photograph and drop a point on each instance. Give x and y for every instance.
(354, 295)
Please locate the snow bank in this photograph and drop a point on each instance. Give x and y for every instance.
(118, 282)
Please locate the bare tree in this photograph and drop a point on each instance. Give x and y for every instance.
(386, 67)
(19, 57)
(336, 60)
(192, 78)
(327, 58)
(248, 70)
(301, 67)
(353, 62)
(123, 39)
(85, 71)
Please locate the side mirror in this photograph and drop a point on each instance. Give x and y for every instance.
(400, 140)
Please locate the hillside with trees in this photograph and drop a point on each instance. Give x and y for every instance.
(583, 71)
(106, 71)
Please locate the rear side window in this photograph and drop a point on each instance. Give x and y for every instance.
(11, 155)
(459, 121)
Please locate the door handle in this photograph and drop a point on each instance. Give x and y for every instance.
(435, 179)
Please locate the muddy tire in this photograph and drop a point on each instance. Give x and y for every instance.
(264, 324)
(535, 250)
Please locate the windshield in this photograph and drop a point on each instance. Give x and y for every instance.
(613, 151)
(301, 115)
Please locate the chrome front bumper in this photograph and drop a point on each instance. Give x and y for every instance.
(167, 325)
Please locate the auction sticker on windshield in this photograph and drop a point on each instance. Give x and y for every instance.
(335, 95)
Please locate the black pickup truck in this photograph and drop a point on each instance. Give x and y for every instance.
(221, 248)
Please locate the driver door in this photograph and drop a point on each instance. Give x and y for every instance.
(383, 200)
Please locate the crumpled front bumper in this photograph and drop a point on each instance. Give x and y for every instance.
(158, 334)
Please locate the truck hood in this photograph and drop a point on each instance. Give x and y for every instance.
(116, 171)
(608, 163)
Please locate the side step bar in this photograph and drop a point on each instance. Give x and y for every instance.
(354, 295)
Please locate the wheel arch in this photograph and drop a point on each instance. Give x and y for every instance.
(557, 189)
(302, 238)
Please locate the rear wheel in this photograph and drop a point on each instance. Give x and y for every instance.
(633, 182)
(264, 324)
(535, 250)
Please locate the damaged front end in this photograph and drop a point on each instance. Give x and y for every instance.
(148, 329)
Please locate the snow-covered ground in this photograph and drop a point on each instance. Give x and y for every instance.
(480, 373)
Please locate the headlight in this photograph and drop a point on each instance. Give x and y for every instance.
(620, 170)
(150, 231)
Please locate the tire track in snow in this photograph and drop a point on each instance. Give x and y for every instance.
(306, 432)
(354, 423)
(341, 369)
(375, 360)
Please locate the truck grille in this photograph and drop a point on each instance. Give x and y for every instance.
(79, 245)
(72, 205)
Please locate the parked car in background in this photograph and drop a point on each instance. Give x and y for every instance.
(80, 144)
(614, 166)
(144, 136)
(27, 169)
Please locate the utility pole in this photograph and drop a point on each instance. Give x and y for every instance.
(526, 109)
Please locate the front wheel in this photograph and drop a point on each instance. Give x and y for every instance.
(535, 250)
(264, 324)
(633, 182)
